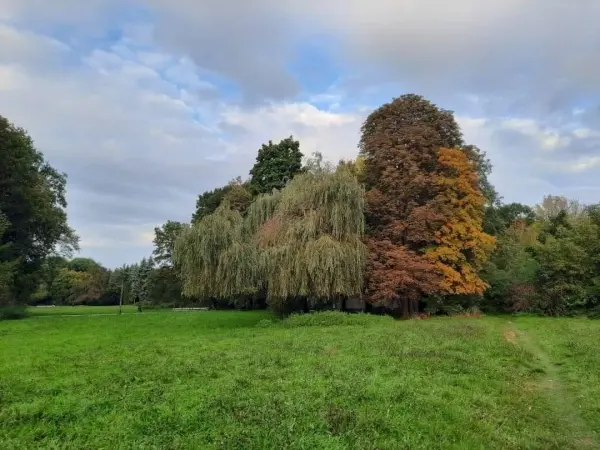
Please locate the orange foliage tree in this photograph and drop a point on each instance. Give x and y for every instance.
(461, 245)
(423, 208)
(400, 143)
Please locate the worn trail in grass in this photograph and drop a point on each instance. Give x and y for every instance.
(564, 381)
(574, 426)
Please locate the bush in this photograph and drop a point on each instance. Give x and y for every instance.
(332, 318)
(13, 312)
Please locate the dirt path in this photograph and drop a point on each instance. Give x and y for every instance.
(574, 425)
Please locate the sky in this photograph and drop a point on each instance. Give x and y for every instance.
(146, 103)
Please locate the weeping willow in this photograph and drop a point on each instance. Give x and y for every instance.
(305, 241)
(214, 258)
(260, 211)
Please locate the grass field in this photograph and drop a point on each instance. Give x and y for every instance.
(234, 380)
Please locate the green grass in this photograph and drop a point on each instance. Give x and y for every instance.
(79, 310)
(239, 380)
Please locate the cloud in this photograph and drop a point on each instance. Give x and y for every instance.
(146, 104)
(137, 141)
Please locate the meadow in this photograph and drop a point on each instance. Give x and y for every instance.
(229, 380)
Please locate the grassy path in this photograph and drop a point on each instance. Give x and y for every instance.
(575, 427)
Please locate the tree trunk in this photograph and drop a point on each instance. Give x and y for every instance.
(305, 306)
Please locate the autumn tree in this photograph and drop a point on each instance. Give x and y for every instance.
(461, 247)
(401, 144)
(397, 278)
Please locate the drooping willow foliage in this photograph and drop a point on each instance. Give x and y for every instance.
(204, 252)
(305, 241)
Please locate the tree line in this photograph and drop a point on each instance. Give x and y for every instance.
(411, 225)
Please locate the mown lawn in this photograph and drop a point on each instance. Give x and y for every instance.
(229, 380)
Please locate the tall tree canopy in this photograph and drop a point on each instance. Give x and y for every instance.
(276, 164)
(208, 202)
(164, 241)
(33, 203)
(83, 265)
(411, 187)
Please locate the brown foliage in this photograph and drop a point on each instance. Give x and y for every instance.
(397, 277)
(400, 143)
(409, 111)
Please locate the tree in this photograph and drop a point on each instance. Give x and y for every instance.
(238, 195)
(461, 245)
(276, 164)
(135, 283)
(499, 217)
(34, 204)
(407, 112)
(83, 265)
(511, 269)
(199, 251)
(120, 282)
(568, 256)
(400, 145)
(164, 286)
(208, 202)
(146, 267)
(552, 205)
(49, 272)
(164, 241)
(312, 246)
(67, 285)
(7, 268)
(316, 164)
(397, 278)
(301, 244)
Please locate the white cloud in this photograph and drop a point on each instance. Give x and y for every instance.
(583, 164)
(546, 138)
(335, 135)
